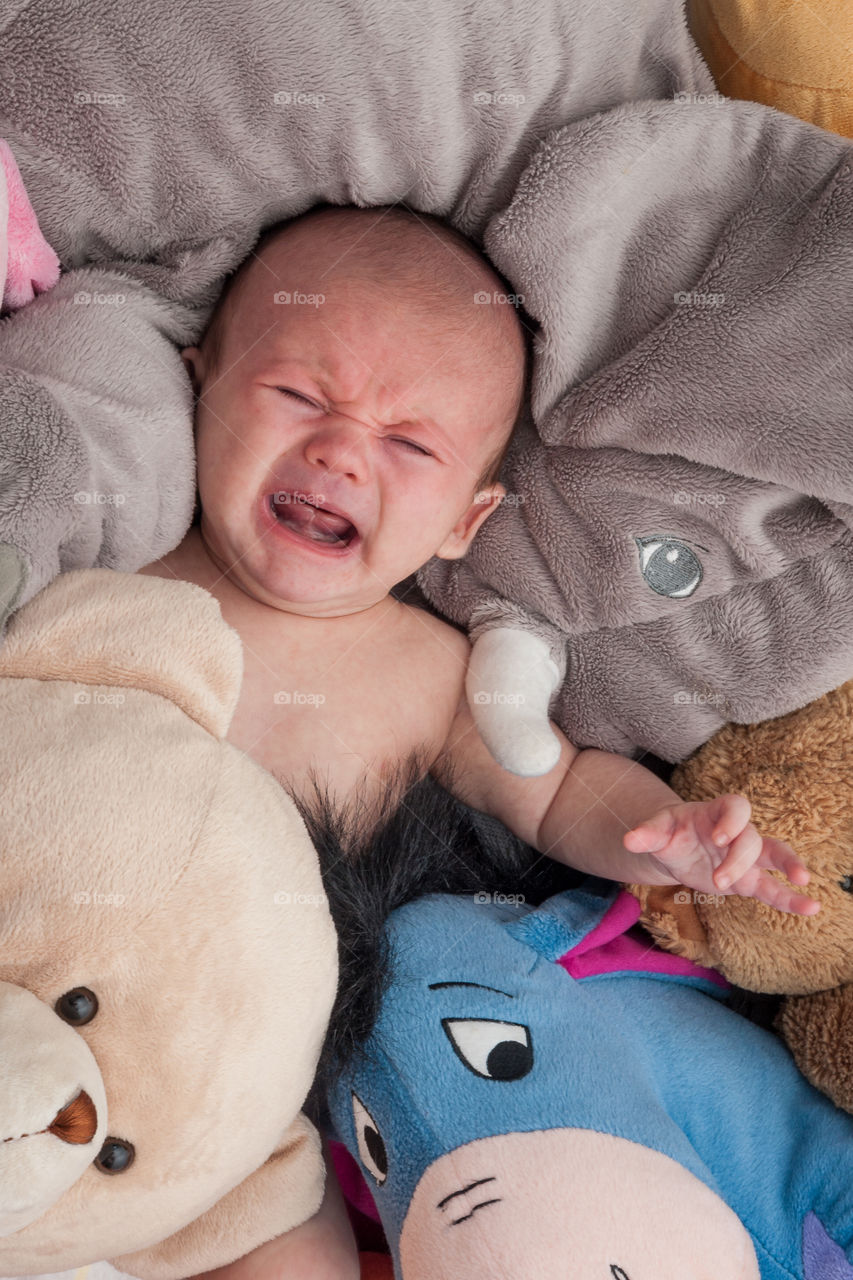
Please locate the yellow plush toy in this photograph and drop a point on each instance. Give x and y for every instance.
(168, 962)
(789, 54)
(797, 771)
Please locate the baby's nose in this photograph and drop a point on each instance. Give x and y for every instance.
(340, 445)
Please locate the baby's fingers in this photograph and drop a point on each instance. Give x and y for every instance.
(781, 857)
(651, 836)
(743, 854)
(777, 894)
(732, 816)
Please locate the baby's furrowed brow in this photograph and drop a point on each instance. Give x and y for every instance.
(292, 366)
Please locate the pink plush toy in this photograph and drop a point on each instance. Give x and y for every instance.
(28, 265)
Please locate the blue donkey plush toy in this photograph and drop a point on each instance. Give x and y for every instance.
(546, 1096)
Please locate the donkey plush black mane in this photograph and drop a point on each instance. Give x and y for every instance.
(425, 842)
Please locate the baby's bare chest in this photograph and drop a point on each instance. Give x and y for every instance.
(346, 713)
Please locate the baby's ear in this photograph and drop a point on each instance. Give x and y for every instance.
(461, 535)
(193, 358)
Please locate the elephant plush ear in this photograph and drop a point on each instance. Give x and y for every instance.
(125, 630)
(669, 914)
(283, 1193)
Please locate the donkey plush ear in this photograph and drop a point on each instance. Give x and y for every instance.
(283, 1193)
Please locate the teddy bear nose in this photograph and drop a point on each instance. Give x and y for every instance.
(76, 1122)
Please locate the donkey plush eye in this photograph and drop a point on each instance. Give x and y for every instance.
(493, 1050)
(371, 1148)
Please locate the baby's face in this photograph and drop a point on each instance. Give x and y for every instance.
(340, 442)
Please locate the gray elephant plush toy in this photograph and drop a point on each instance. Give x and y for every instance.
(675, 548)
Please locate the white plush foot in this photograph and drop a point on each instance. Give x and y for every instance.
(510, 681)
(530, 749)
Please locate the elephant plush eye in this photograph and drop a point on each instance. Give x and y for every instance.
(115, 1156)
(493, 1050)
(77, 1006)
(669, 566)
(371, 1147)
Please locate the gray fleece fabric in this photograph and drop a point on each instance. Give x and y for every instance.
(156, 140)
(687, 262)
(679, 525)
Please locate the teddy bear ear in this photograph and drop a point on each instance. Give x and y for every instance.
(283, 1193)
(127, 630)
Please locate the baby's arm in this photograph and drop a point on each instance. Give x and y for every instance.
(321, 1249)
(609, 816)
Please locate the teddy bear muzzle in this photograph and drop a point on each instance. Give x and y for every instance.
(53, 1109)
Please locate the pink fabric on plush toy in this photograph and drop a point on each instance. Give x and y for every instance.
(352, 1183)
(611, 948)
(31, 266)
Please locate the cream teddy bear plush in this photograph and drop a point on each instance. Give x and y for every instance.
(168, 962)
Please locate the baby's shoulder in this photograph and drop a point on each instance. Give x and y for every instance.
(427, 656)
(431, 636)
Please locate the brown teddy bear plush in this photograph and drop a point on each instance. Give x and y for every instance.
(168, 963)
(797, 771)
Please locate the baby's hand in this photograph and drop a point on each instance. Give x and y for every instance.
(711, 846)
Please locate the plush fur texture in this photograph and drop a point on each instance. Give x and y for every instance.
(152, 180)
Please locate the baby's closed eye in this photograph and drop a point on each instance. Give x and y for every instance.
(297, 395)
(419, 448)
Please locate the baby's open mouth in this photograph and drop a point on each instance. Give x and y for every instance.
(311, 521)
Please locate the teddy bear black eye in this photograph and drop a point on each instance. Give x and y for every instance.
(115, 1156)
(77, 1006)
(847, 884)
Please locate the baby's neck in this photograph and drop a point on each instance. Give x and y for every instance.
(191, 562)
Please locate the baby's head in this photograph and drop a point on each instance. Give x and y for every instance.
(358, 384)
